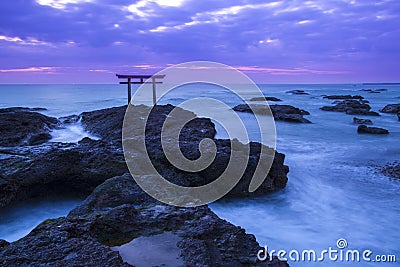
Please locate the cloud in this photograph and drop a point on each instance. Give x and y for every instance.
(30, 69)
(61, 4)
(292, 36)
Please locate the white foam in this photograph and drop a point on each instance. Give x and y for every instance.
(72, 133)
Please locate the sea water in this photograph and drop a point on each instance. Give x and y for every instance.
(334, 190)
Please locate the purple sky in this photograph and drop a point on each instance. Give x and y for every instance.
(288, 41)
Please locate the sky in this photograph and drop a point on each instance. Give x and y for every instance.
(287, 41)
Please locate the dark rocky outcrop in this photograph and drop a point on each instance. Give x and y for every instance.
(361, 121)
(398, 116)
(352, 107)
(69, 119)
(106, 123)
(342, 97)
(3, 244)
(266, 98)
(392, 170)
(374, 91)
(297, 92)
(118, 212)
(24, 126)
(391, 108)
(371, 130)
(280, 112)
(58, 168)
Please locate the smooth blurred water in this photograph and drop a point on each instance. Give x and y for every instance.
(333, 192)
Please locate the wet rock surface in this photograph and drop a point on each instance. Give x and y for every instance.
(391, 108)
(361, 121)
(364, 129)
(266, 98)
(116, 213)
(392, 170)
(24, 126)
(280, 112)
(297, 92)
(339, 97)
(352, 107)
(59, 168)
(374, 91)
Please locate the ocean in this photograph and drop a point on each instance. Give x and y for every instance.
(334, 190)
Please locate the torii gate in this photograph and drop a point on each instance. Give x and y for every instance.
(142, 79)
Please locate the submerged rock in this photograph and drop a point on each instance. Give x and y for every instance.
(297, 92)
(117, 213)
(337, 97)
(23, 126)
(266, 98)
(361, 121)
(392, 170)
(69, 119)
(372, 91)
(391, 108)
(371, 130)
(280, 112)
(352, 107)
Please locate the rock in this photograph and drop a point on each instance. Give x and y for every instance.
(392, 170)
(22, 126)
(391, 108)
(297, 92)
(69, 119)
(280, 112)
(371, 130)
(361, 121)
(266, 98)
(376, 91)
(115, 214)
(351, 107)
(3, 244)
(59, 168)
(106, 123)
(398, 116)
(336, 97)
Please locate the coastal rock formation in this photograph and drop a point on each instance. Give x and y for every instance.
(280, 112)
(351, 107)
(106, 123)
(24, 126)
(58, 168)
(118, 213)
(3, 244)
(361, 121)
(392, 170)
(391, 108)
(372, 91)
(266, 98)
(342, 97)
(297, 92)
(371, 130)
